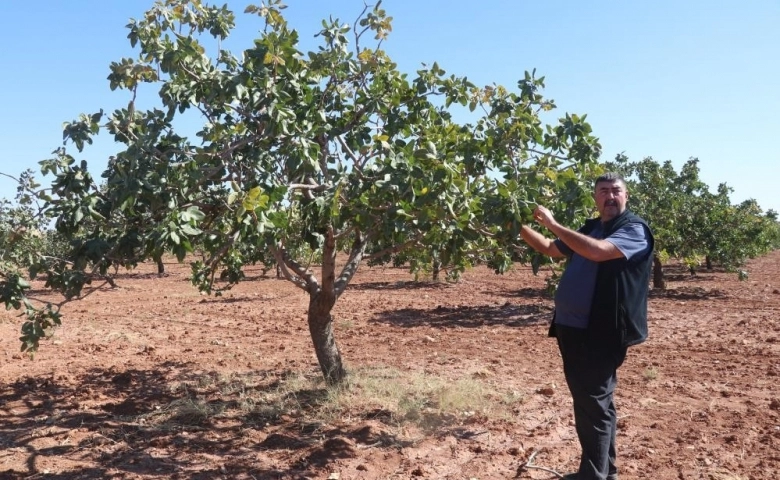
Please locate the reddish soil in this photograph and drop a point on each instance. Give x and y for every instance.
(700, 399)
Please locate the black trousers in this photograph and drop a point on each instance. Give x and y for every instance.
(591, 374)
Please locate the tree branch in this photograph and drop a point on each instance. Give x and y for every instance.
(350, 268)
(323, 142)
(357, 24)
(392, 250)
(232, 148)
(348, 150)
(299, 276)
(308, 186)
(539, 152)
(9, 176)
(329, 262)
(344, 233)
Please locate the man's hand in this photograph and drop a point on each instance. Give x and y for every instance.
(536, 240)
(544, 217)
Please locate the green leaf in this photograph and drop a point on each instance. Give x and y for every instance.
(194, 213)
(190, 230)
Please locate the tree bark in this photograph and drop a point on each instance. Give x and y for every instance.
(659, 281)
(322, 298)
(321, 330)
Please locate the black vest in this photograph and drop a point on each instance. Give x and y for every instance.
(618, 313)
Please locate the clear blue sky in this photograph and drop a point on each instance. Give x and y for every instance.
(667, 79)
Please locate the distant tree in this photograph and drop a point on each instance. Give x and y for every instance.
(25, 242)
(690, 222)
(303, 156)
(22, 234)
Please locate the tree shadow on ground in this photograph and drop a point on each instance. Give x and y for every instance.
(508, 314)
(688, 293)
(253, 298)
(400, 285)
(537, 293)
(687, 277)
(165, 421)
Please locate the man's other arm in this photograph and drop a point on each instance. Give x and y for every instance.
(539, 242)
(594, 249)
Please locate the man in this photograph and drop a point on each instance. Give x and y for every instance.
(600, 310)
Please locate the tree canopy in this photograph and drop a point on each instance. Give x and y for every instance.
(302, 156)
(690, 222)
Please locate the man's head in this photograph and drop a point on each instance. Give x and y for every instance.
(611, 195)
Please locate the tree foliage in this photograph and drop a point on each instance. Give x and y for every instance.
(25, 244)
(304, 156)
(690, 222)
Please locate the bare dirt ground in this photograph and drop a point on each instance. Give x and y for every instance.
(152, 380)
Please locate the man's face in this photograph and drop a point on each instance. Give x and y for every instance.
(611, 198)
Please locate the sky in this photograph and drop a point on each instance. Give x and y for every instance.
(666, 79)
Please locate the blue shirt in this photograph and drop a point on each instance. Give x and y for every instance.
(574, 295)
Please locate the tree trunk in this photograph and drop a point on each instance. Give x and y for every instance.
(322, 298)
(658, 274)
(321, 330)
(160, 266)
(708, 262)
(436, 269)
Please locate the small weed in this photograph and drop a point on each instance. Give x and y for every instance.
(346, 325)
(189, 411)
(650, 374)
(723, 474)
(186, 411)
(205, 381)
(120, 337)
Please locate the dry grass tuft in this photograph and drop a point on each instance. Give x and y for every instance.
(650, 374)
(416, 398)
(398, 398)
(722, 474)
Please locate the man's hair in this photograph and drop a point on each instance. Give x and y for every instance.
(610, 177)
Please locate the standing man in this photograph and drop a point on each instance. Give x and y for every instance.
(600, 310)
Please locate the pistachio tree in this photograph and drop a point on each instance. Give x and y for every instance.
(691, 223)
(318, 161)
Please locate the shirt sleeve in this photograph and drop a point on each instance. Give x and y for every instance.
(630, 239)
(594, 232)
(563, 248)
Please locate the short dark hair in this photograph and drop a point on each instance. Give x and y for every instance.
(610, 177)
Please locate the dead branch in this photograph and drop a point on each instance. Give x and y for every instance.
(528, 464)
